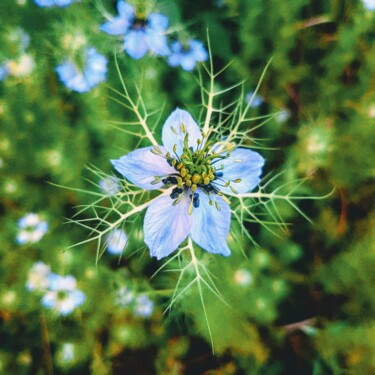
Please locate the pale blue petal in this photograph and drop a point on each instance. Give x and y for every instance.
(141, 166)
(49, 299)
(165, 226)
(244, 164)
(125, 10)
(210, 227)
(157, 43)
(169, 137)
(157, 22)
(78, 297)
(198, 50)
(116, 26)
(135, 44)
(188, 62)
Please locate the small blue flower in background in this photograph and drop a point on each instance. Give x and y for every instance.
(63, 295)
(110, 185)
(116, 241)
(243, 277)
(141, 33)
(82, 80)
(124, 296)
(31, 229)
(195, 174)
(67, 352)
(144, 307)
(369, 4)
(187, 56)
(4, 71)
(283, 115)
(51, 3)
(38, 277)
(255, 101)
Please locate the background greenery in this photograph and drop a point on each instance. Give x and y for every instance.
(309, 305)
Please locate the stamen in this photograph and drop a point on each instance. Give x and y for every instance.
(174, 131)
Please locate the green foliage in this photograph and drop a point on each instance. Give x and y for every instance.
(296, 295)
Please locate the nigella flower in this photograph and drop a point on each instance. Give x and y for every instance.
(50, 3)
(196, 174)
(187, 56)
(63, 295)
(140, 32)
(84, 79)
(144, 307)
(369, 4)
(4, 71)
(243, 277)
(110, 185)
(38, 277)
(124, 296)
(31, 229)
(116, 241)
(255, 101)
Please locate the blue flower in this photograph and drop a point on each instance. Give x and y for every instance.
(195, 174)
(4, 71)
(110, 185)
(369, 4)
(144, 307)
(116, 241)
(124, 296)
(83, 80)
(50, 3)
(187, 56)
(38, 277)
(141, 33)
(63, 295)
(255, 101)
(31, 229)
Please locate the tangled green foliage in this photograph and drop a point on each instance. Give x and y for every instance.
(295, 295)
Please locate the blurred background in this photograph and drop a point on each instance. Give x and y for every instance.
(302, 303)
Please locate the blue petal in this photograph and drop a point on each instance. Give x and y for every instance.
(244, 164)
(188, 62)
(157, 22)
(198, 50)
(210, 226)
(141, 166)
(125, 10)
(49, 299)
(175, 120)
(157, 42)
(165, 226)
(116, 26)
(135, 44)
(78, 297)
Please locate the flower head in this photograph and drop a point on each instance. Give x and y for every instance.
(140, 32)
(31, 229)
(84, 79)
(124, 296)
(254, 100)
(196, 173)
(144, 307)
(110, 185)
(116, 241)
(63, 295)
(369, 4)
(51, 3)
(38, 277)
(4, 71)
(187, 56)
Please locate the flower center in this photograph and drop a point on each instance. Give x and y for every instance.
(196, 168)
